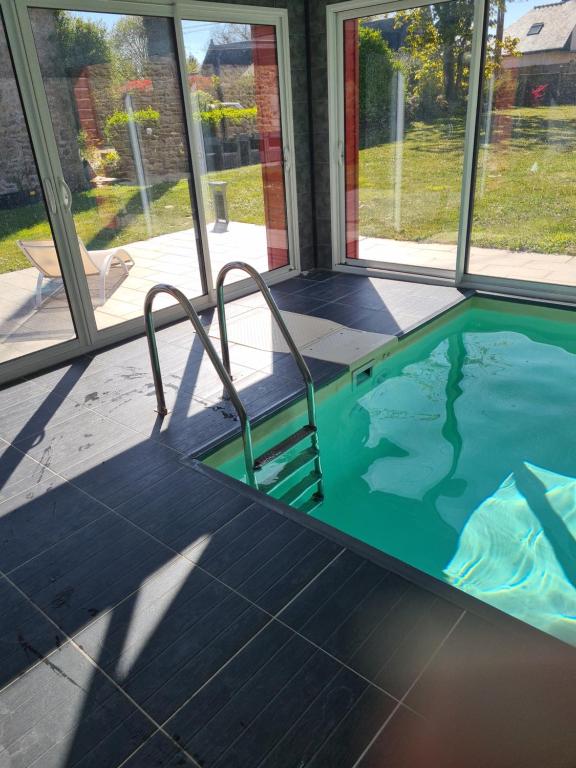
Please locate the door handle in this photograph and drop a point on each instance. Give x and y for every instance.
(66, 195)
(50, 197)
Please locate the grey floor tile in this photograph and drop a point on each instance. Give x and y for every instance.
(125, 469)
(167, 676)
(81, 438)
(163, 643)
(190, 427)
(187, 509)
(374, 621)
(274, 704)
(334, 289)
(408, 741)
(19, 473)
(482, 673)
(31, 417)
(63, 379)
(63, 712)
(25, 635)
(90, 571)
(159, 752)
(355, 731)
(17, 392)
(40, 517)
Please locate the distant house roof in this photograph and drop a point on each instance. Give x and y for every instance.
(545, 27)
(235, 54)
(393, 35)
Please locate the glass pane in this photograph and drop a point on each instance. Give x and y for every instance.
(113, 88)
(34, 312)
(406, 88)
(524, 225)
(233, 75)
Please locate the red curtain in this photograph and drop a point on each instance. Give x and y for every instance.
(352, 134)
(267, 95)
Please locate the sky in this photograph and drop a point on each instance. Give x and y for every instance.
(197, 34)
(518, 8)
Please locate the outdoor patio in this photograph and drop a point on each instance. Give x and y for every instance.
(168, 258)
(172, 259)
(494, 262)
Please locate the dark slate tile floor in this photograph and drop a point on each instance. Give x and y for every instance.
(155, 613)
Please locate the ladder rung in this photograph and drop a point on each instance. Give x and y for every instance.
(290, 469)
(283, 446)
(310, 505)
(306, 484)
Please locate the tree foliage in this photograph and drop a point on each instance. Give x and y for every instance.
(226, 33)
(437, 47)
(377, 66)
(81, 42)
(129, 42)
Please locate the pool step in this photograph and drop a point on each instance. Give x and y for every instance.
(297, 464)
(295, 494)
(283, 446)
(311, 505)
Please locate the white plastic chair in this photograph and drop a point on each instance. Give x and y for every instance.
(42, 254)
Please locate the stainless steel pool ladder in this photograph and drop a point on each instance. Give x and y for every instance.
(297, 491)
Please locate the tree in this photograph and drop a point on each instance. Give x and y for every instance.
(81, 43)
(377, 67)
(192, 65)
(438, 42)
(129, 41)
(224, 34)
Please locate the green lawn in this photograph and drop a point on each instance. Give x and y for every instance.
(529, 194)
(528, 203)
(112, 216)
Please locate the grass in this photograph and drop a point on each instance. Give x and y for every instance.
(527, 201)
(525, 195)
(112, 216)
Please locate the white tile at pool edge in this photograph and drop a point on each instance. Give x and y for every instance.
(347, 346)
(257, 328)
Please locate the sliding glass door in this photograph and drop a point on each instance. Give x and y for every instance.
(234, 82)
(114, 94)
(34, 308)
(524, 223)
(405, 90)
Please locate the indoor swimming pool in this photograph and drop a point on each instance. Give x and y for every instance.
(456, 455)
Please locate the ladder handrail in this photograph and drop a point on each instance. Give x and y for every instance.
(265, 291)
(222, 371)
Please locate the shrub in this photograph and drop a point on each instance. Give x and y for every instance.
(118, 121)
(110, 162)
(232, 115)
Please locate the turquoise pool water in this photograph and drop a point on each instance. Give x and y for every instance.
(458, 457)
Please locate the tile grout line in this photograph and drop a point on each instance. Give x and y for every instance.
(144, 743)
(219, 670)
(275, 616)
(408, 691)
(179, 555)
(94, 665)
(340, 661)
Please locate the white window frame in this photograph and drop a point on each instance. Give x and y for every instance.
(460, 276)
(18, 32)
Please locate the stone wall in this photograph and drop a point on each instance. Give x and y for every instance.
(163, 143)
(18, 176)
(60, 95)
(559, 79)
